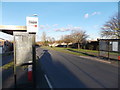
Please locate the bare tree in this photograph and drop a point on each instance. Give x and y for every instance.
(44, 38)
(51, 40)
(79, 37)
(59, 41)
(111, 28)
(67, 39)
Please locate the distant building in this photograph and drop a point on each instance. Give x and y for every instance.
(5, 46)
(63, 44)
(53, 45)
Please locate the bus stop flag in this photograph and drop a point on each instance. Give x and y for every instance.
(32, 24)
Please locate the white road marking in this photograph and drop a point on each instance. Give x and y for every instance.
(48, 82)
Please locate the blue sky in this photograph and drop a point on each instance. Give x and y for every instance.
(60, 18)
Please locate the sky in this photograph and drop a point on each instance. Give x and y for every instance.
(60, 18)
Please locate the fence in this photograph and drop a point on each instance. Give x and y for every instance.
(109, 48)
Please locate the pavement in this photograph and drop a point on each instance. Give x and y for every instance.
(8, 79)
(69, 71)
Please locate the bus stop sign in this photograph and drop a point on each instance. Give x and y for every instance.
(32, 24)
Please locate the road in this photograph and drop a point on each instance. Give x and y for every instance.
(70, 71)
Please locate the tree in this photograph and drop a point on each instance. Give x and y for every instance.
(44, 38)
(51, 40)
(59, 41)
(79, 37)
(67, 39)
(111, 28)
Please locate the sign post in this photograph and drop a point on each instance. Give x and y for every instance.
(32, 28)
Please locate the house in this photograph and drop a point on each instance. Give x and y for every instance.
(63, 44)
(53, 45)
(5, 45)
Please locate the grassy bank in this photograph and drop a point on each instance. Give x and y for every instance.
(82, 52)
(8, 65)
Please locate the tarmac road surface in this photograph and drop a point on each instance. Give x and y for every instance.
(70, 71)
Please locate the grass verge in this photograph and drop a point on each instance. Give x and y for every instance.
(81, 52)
(64, 50)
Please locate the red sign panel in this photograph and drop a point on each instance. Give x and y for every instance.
(35, 25)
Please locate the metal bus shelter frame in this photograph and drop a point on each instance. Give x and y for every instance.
(106, 45)
(8, 30)
(25, 61)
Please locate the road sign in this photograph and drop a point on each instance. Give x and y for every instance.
(32, 24)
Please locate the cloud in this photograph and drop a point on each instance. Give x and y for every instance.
(86, 15)
(42, 26)
(92, 14)
(54, 25)
(62, 29)
(95, 13)
(68, 28)
(45, 26)
(95, 26)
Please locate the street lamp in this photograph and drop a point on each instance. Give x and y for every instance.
(35, 15)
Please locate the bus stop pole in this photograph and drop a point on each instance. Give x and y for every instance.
(34, 60)
(119, 64)
(98, 48)
(15, 78)
(108, 50)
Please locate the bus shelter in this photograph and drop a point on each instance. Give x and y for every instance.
(24, 55)
(109, 48)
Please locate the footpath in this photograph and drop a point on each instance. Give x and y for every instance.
(8, 80)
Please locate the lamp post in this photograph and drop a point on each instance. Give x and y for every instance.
(35, 15)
